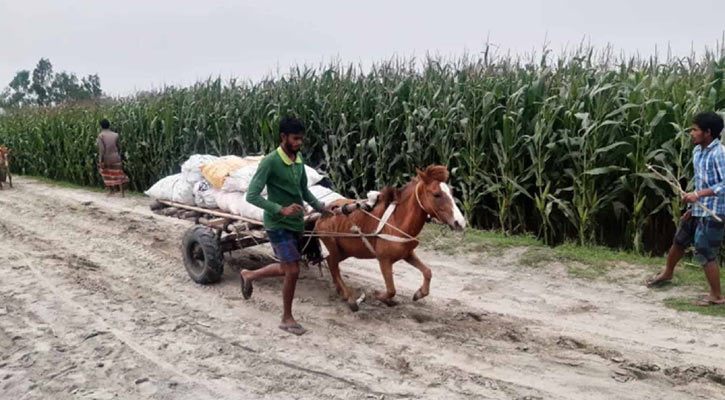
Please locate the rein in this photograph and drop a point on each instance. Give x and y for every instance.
(382, 222)
(357, 233)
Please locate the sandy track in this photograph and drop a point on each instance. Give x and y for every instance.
(95, 303)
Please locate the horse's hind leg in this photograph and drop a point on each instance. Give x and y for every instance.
(386, 268)
(413, 260)
(333, 261)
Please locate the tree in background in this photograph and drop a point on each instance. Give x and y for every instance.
(45, 88)
(42, 82)
(18, 91)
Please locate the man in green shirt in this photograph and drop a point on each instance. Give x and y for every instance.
(282, 172)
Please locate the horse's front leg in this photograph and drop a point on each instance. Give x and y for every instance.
(386, 268)
(333, 262)
(413, 260)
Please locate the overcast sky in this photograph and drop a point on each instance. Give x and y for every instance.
(143, 44)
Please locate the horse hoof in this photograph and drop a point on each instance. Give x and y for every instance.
(389, 302)
(383, 298)
(417, 296)
(353, 306)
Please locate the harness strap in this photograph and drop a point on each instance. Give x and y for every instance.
(386, 216)
(364, 239)
(358, 233)
(420, 204)
(392, 238)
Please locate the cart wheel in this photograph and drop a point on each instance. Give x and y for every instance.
(203, 257)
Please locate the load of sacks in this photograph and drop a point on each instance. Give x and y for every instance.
(222, 182)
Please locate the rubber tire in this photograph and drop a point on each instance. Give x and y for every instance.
(203, 256)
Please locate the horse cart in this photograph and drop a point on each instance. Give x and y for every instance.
(216, 232)
(385, 226)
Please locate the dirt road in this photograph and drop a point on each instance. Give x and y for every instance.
(95, 303)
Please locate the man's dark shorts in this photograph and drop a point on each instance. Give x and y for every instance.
(286, 244)
(705, 234)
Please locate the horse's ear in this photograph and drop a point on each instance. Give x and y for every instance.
(423, 175)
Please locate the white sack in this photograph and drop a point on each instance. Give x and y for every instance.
(238, 180)
(173, 188)
(205, 194)
(236, 203)
(191, 168)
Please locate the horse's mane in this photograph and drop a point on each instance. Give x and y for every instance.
(388, 195)
(435, 173)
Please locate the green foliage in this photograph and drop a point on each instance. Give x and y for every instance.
(553, 147)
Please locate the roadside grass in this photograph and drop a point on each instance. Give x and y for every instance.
(592, 262)
(584, 262)
(686, 305)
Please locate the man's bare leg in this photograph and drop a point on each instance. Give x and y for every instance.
(291, 272)
(712, 273)
(673, 257)
(269, 271)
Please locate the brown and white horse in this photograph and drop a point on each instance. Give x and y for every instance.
(426, 196)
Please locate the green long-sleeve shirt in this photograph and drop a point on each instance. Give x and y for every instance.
(286, 184)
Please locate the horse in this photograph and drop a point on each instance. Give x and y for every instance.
(426, 195)
(5, 166)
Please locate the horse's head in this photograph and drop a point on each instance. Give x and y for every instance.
(3, 152)
(436, 198)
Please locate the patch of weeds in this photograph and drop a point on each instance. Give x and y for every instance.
(689, 274)
(435, 238)
(591, 262)
(588, 262)
(603, 257)
(535, 257)
(441, 238)
(496, 239)
(686, 305)
(588, 271)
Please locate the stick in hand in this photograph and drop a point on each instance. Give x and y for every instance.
(681, 192)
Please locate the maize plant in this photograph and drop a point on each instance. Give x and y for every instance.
(556, 146)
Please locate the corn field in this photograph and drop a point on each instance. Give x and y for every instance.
(552, 146)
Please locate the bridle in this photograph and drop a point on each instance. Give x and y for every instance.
(420, 204)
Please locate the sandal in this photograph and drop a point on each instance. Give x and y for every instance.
(295, 329)
(655, 282)
(246, 287)
(705, 302)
